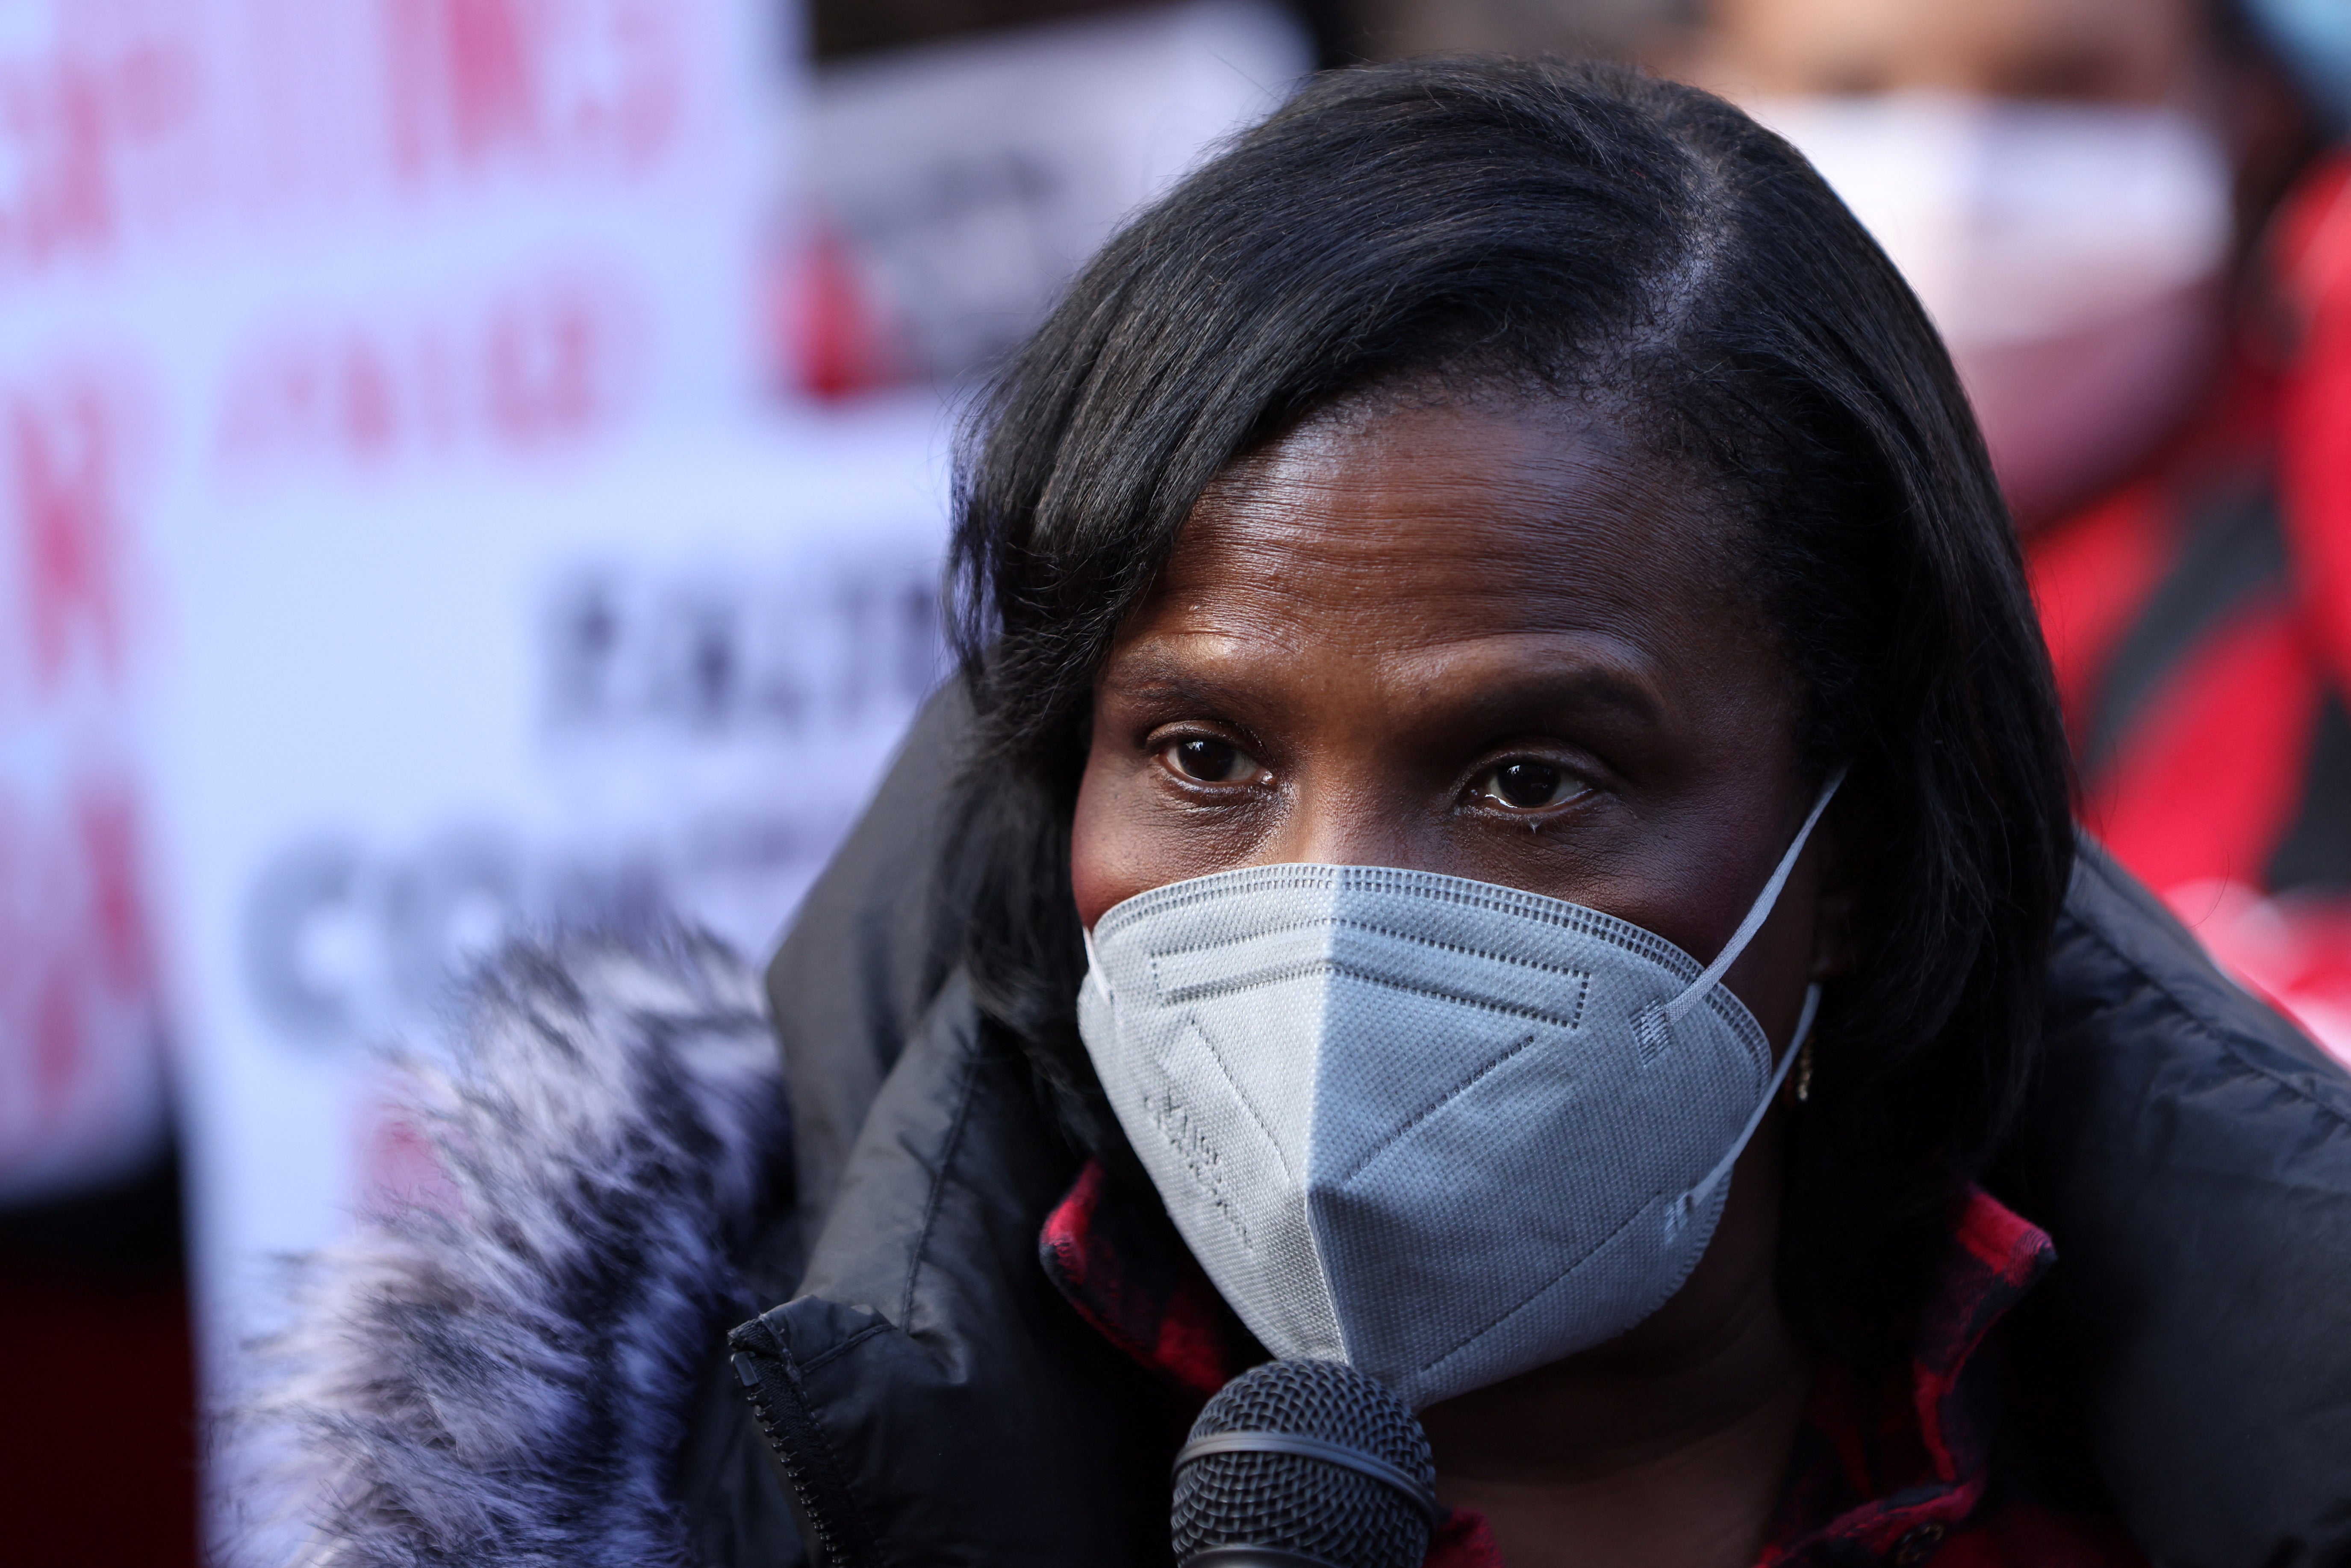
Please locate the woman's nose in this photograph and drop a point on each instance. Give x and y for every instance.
(1343, 822)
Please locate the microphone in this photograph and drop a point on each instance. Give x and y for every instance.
(1305, 1464)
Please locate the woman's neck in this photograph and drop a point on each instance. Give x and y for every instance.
(1603, 1475)
(1667, 1447)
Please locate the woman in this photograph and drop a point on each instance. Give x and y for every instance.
(1498, 544)
(1532, 475)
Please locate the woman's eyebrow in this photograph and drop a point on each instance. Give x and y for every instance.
(1157, 676)
(1579, 687)
(1512, 678)
(1533, 689)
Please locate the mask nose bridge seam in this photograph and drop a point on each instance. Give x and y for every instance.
(1304, 967)
(1178, 993)
(1326, 963)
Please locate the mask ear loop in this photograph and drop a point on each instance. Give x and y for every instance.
(1690, 1201)
(1657, 1023)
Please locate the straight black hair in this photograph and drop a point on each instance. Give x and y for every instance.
(1579, 232)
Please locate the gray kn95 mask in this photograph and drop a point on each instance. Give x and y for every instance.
(1443, 1131)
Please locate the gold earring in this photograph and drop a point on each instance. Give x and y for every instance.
(1805, 1073)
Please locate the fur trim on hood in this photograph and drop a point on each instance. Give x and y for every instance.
(504, 1379)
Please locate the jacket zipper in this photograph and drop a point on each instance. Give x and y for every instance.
(799, 1445)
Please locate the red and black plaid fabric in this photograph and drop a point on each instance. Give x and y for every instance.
(2200, 619)
(1895, 1469)
(1124, 1269)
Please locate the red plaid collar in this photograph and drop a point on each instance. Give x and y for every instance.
(1883, 1466)
(1128, 1273)
(1894, 1461)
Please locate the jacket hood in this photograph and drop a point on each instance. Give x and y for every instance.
(536, 1373)
(2186, 1148)
(507, 1377)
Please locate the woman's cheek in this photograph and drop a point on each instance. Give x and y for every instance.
(1108, 854)
(1133, 832)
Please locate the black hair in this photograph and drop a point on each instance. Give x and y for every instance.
(1582, 232)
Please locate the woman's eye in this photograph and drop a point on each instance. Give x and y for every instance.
(1525, 785)
(1211, 761)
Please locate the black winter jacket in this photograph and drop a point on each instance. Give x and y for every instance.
(923, 1395)
(2189, 1152)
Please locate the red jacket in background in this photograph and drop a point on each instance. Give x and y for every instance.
(2200, 621)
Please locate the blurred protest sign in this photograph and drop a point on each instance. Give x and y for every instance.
(957, 185)
(81, 1018)
(299, 270)
(401, 727)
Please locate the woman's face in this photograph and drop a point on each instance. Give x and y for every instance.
(1482, 639)
(2103, 51)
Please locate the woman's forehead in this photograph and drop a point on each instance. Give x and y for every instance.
(1507, 508)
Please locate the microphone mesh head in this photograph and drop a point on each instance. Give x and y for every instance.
(1300, 1504)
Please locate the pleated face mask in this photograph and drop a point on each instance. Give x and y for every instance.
(1444, 1131)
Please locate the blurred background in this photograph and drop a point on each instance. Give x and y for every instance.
(468, 463)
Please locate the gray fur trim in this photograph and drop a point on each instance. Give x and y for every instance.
(507, 1384)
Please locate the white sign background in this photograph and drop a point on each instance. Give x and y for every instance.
(328, 328)
(398, 728)
(255, 250)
